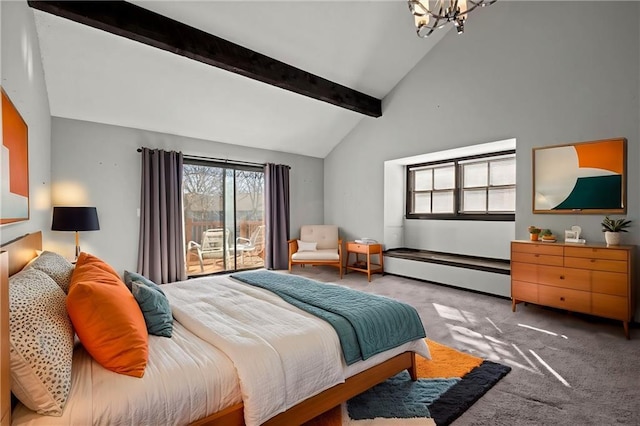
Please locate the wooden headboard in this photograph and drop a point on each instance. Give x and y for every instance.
(13, 257)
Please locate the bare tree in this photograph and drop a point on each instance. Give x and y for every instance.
(250, 185)
(202, 189)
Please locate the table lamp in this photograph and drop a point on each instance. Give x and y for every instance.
(75, 219)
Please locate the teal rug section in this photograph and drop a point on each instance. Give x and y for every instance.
(441, 399)
(399, 397)
(379, 323)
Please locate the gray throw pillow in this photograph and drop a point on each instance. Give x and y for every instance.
(155, 309)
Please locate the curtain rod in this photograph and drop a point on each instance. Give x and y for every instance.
(221, 160)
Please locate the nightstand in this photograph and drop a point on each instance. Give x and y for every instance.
(365, 266)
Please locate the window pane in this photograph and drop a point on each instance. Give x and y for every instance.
(503, 172)
(423, 180)
(444, 177)
(443, 202)
(475, 175)
(422, 203)
(502, 200)
(474, 200)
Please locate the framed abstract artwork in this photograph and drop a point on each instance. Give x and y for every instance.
(580, 178)
(14, 190)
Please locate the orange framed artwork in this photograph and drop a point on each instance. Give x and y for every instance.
(14, 192)
(581, 178)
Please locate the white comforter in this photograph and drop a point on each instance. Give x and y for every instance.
(257, 330)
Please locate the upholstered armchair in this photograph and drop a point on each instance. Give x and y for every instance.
(318, 245)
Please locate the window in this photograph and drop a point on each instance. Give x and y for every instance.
(481, 187)
(223, 216)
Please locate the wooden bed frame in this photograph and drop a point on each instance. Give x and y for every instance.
(16, 254)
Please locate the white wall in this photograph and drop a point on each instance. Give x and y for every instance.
(543, 73)
(98, 165)
(23, 81)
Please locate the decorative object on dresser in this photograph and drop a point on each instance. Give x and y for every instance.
(368, 249)
(547, 236)
(534, 233)
(593, 279)
(573, 235)
(75, 219)
(612, 229)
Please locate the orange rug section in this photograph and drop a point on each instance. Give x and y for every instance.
(445, 363)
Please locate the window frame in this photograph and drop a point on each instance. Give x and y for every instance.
(457, 191)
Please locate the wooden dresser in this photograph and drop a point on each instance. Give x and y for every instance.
(589, 278)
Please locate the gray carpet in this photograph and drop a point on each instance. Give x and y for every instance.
(599, 367)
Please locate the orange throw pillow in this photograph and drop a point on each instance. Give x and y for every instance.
(107, 318)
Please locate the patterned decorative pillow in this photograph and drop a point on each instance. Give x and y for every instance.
(56, 266)
(40, 342)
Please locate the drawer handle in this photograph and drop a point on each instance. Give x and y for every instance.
(593, 261)
(562, 299)
(562, 277)
(536, 255)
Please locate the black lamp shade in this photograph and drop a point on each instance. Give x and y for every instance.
(75, 219)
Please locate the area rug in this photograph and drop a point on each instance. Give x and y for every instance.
(447, 386)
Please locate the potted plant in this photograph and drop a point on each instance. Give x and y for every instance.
(612, 229)
(547, 235)
(534, 232)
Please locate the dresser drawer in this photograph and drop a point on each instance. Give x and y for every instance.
(524, 272)
(577, 279)
(571, 300)
(613, 283)
(596, 253)
(524, 291)
(596, 264)
(538, 259)
(609, 306)
(541, 248)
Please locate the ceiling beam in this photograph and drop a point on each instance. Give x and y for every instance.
(139, 24)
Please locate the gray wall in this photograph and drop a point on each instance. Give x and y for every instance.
(544, 73)
(23, 81)
(97, 164)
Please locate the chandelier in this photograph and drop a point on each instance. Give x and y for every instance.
(430, 15)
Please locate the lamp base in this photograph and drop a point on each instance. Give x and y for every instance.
(77, 244)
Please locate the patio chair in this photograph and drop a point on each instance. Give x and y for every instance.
(252, 246)
(214, 245)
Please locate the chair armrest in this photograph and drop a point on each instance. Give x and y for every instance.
(340, 247)
(192, 245)
(293, 246)
(243, 239)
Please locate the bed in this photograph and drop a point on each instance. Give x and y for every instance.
(210, 389)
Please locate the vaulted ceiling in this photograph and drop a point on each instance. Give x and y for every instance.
(95, 75)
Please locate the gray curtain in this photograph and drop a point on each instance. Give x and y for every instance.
(161, 244)
(277, 215)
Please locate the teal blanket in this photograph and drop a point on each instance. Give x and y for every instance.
(366, 324)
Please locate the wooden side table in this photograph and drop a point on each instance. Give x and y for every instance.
(365, 266)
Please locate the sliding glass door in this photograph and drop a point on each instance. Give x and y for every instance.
(223, 217)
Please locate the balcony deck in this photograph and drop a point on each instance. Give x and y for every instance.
(212, 266)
